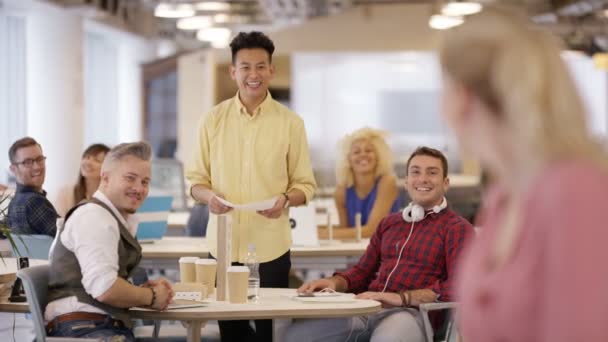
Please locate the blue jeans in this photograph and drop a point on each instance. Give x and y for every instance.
(109, 330)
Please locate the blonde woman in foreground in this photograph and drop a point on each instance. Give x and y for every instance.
(535, 273)
(366, 183)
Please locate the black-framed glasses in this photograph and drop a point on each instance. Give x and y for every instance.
(30, 162)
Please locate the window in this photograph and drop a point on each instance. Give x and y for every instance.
(12, 86)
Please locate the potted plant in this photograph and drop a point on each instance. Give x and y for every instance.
(5, 231)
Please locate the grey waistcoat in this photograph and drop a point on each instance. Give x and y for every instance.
(65, 276)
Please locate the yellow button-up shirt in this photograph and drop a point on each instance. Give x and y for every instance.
(250, 158)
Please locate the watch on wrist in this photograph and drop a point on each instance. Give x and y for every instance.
(286, 201)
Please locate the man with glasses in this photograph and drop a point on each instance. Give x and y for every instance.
(30, 212)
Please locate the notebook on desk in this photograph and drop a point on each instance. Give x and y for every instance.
(153, 215)
(303, 223)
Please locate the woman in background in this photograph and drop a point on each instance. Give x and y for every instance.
(366, 183)
(88, 179)
(535, 272)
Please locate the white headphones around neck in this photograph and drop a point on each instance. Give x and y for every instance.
(415, 213)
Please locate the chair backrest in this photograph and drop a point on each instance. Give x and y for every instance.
(32, 246)
(35, 281)
(153, 215)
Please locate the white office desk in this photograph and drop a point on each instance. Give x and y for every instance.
(8, 273)
(165, 253)
(273, 303)
(177, 221)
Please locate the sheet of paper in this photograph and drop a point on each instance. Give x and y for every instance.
(253, 206)
(323, 297)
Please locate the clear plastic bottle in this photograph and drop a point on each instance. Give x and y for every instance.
(254, 273)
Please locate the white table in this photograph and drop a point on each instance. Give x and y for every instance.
(8, 273)
(273, 303)
(165, 253)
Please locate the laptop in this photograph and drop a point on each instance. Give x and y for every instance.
(304, 226)
(153, 215)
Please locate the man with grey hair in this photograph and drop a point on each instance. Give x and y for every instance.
(95, 252)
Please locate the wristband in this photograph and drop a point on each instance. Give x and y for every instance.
(404, 301)
(286, 205)
(153, 296)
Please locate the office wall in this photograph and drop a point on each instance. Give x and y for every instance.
(398, 92)
(54, 89)
(55, 85)
(592, 84)
(196, 95)
(113, 97)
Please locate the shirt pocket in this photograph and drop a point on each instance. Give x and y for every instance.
(272, 147)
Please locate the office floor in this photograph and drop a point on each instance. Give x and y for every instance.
(15, 327)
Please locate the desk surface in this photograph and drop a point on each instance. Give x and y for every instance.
(8, 268)
(179, 219)
(8, 271)
(273, 303)
(172, 247)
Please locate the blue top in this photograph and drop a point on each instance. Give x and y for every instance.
(355, 205)
(29, 212)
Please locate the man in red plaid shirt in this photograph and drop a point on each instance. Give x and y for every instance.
(410, 260)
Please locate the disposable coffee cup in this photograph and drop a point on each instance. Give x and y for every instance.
(187, 269)
(238, 277)
(205, 273)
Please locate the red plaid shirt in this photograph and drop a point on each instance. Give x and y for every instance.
(427, 262)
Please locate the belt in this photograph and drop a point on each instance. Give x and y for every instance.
(82, 316)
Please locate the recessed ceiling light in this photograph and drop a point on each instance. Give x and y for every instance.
(213, 6)
(166, 10)
(194, 23)
(444, 22)
(217, 36)
(221, 18)
(460, 8)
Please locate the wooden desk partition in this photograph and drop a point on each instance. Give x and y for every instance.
(224, 255)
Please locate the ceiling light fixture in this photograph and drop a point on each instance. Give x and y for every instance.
(221, 18)
(444, 22)
(217, 36)
(194, 23)
(167, 10)
(213, 6)
(456, 9)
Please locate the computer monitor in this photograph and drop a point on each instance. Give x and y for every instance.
(153, 215)
(304, 226)
(168, 177)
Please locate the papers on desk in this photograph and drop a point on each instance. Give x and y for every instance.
(253, 206)
(324, 297)
(180, 304)
(184, 304)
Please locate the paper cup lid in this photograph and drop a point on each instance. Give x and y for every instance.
(238, 269)
(206, 262)
(187, 260)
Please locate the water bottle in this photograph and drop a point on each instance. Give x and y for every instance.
(254, 273)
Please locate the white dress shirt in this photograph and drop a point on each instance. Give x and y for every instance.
(92, 234)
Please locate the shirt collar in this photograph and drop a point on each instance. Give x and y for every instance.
(131, 221)
(262, 108)
(26, 188)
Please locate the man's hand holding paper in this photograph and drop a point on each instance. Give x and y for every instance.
(275, 211)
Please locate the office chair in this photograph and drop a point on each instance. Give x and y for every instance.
(32, 246)
(35, 281)
(447, 331)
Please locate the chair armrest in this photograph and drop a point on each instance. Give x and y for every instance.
(72, 339)
(425, 308)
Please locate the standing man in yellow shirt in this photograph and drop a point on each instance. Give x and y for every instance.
(251, 148)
